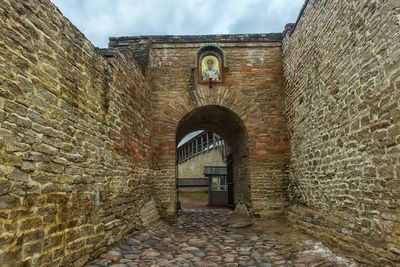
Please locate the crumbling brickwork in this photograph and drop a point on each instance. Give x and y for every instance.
(342, 102)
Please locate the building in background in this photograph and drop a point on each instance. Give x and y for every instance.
(204, 149)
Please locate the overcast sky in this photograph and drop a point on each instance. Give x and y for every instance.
(101, 19)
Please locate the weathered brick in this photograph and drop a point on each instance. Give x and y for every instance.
(71, 257)
(43, 178)
(35, 156)
(30, 236)
(27, 166)
(13, 107)
(25, 190)
(57, 199)
(46, 149)
(50, 188)
(43, 259)
(52, 168)
(51, 242)
(11, 256)
(33, 248)
(76, 245)
(25, 123)
(72, 235)
(13, 147)
(395, 3)
(6, 241)
(18, 175)
(31, 223)
(360, 122)
(34, 201)
(4, 187)
(8, 202)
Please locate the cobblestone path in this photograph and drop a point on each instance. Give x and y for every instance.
(203, 238)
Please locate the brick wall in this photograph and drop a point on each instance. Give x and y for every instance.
(342, 102)
(251, 101)
(70, 174)
(87, 136)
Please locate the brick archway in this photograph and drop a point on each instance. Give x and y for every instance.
(88, 136)
(252, 90)
(231, 128)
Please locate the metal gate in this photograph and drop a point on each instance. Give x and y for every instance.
(229, 166)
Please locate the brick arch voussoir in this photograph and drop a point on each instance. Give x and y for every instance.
(246, 108)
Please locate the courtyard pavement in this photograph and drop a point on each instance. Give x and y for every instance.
(204, 238)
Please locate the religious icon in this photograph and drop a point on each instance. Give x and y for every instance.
(210, 68)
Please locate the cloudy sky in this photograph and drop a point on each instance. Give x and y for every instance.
(101, 19)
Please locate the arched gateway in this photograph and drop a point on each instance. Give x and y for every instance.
(231, 128)
(88, 136)
(225, 86)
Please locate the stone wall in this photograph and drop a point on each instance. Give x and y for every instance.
(75, 152)
(343, 103)
(248, 109)
(194, 167)
(88, 138)
(130, 183)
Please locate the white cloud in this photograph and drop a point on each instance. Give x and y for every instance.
(100, 19)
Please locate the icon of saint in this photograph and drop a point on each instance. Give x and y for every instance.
(211, 71)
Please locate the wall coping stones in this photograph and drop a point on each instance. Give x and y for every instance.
(145, 39)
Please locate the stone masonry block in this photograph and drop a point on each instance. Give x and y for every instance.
(395, 3)
(18, 175)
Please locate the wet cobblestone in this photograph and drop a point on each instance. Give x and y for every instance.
(204, 238)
